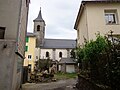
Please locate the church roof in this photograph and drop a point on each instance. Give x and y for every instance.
(59, 44)
(30, 34)
(39, 18)
(67, 61)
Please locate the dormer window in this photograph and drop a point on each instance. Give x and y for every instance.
(111, 17)
(38, 27)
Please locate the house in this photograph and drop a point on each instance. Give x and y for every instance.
(97, 16)
(13, 24)
(54, 49)
(30, 51)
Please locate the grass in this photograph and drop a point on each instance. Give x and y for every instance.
(62, 76)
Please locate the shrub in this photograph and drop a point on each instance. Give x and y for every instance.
(102, 57)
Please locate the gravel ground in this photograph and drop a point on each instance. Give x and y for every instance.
(68, 84)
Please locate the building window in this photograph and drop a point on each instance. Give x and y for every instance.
(111, 17)
(2, 32)
(60, 54)
(29, 56)
(47, 54)
(38, 27)
(26, 48)
(27, 39)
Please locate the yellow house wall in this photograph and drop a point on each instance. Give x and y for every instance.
(31, 51)
(96, 19)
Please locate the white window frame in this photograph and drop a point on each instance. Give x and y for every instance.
(29, 57)
(111, 19)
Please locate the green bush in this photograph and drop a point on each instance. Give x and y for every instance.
(103, 64)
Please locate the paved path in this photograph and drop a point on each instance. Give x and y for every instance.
(59, 85)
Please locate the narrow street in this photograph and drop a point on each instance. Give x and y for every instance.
(59, 85)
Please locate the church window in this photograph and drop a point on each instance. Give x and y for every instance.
(38, 27)
(47, 54)
(60, 54)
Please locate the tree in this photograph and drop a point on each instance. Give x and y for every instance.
(44, 64)
(73, 53)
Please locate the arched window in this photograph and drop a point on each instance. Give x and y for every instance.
(38, 27)
(60, 54)
(47, 54)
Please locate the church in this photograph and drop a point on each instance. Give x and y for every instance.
(58, 50)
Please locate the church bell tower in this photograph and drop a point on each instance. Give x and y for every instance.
(39, 29)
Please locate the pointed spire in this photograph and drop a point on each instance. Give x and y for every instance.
(40, 8)
(39, 18)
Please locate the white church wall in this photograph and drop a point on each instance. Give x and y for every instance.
(53, 54)
(64, 53)
(43, 53)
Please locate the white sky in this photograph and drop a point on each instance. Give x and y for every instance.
(59, 16)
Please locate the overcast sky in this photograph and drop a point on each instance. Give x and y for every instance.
(59, 16)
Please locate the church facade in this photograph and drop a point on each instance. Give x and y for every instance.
(54, 49)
